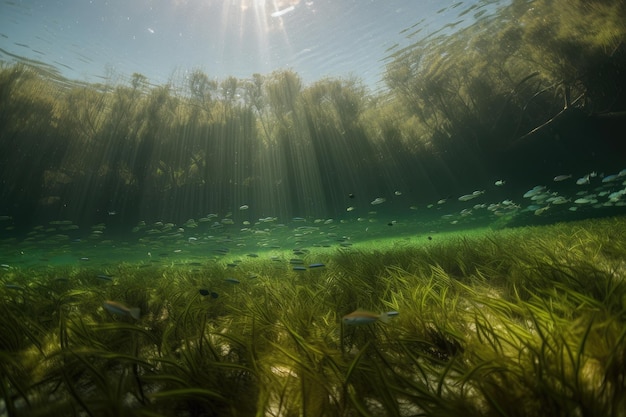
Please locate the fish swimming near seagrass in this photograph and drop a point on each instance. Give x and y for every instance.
(121, 310)
(367, 317)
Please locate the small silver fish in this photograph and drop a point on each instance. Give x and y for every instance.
(120, 309)
(562, 177)
(560, 200)
(14, 287)
(610, 178)
(104, 277)
(367, 317)
(583, 180)
(468, 197)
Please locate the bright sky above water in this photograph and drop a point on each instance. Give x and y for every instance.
(160, 39)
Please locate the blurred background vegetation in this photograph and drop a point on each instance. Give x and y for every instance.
(535, 90)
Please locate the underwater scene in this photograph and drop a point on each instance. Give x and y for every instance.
(313, 208)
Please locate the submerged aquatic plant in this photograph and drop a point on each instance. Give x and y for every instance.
(515, 322)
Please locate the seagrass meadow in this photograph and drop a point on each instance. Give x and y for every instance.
(313, 208)
(516, 322)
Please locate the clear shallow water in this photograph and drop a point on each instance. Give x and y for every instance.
(234, 242)
(167, 244)
(236, 237)
(468, 132)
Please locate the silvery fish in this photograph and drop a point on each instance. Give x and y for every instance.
(120, 309)
(366, 317)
